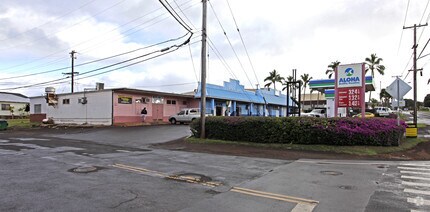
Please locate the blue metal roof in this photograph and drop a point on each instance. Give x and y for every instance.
(232, 90)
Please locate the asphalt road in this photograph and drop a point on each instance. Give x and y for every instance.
(117, 169)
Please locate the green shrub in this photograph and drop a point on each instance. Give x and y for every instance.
(303, 130)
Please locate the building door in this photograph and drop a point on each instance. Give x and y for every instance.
(157, 112)
(218, 111)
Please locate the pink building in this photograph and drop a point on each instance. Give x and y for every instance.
(119, 106)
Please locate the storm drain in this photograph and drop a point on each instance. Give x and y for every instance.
(85, 169)
(333, 173)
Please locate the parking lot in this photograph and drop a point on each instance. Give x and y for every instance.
(119, 169)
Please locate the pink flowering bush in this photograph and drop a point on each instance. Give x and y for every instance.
(304, 130)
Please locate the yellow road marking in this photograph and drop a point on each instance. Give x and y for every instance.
(287, 198)
(161, 174)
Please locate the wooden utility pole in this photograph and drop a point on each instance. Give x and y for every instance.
(72, 55)
(203, 77)
(415, 67)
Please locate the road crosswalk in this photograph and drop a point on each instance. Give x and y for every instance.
(415, 178)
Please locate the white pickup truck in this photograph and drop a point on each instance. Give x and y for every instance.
(185, 116)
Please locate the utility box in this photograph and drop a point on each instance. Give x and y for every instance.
(3, 124)
(411, 131)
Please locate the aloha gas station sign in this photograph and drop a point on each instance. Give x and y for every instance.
(350, 87)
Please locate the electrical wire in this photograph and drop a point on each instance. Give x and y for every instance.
(404, 22)
(69, 27)
(231, 45)
(50, 21)
(98, 60)
(176, 17)
(162, 51)
(100, 43)
(243, 42)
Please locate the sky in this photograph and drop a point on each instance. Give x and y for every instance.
(37, 36)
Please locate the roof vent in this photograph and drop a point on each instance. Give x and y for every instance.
(100, 86)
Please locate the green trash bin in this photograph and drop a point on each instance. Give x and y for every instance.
(3, 124)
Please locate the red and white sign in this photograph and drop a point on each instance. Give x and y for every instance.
(349, 97)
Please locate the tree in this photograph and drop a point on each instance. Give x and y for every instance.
(273, 78)
(305, 80)
(385, 97)
(12, 110)
(332, 69)
(427, 101)
(285, 83)
(374, 102)
(374, 63)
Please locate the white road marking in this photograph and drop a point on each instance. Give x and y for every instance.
(304, 207)
(416, 211)
(416, 184)
(419, 165)
(414, 191)
(415, 169)
(411, 172)
(31, 139)
(419, 201)
(3, 141)
(415, 178)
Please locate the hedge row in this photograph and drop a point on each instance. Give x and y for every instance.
(303, 130)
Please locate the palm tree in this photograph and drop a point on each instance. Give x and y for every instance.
(273, 77)
(373, 63)
(385, 97)
(305, 80)
(284, 83)
(332, 69)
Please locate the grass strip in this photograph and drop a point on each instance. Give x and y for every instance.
(406, 144)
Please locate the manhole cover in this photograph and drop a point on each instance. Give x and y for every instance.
(333, 173)
(348, 187)
(85, 169)
(195, 177)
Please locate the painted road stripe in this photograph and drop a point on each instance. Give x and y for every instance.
(160, 174)
(416, 184)
(414, 191)
(296, 199)
(419, 165)
(419, 201)
(411, 172)
(414, 169)
(416, 211)
(303, 205)
(415, 178)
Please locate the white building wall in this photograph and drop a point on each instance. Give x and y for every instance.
(97, 110)
(40, 100)
(16, 106)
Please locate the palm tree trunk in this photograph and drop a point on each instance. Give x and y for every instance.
(304, 97)
(370, 95)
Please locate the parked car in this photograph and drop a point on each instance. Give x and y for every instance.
(366, 115)
(185, 116)
(382, 111)
(317, 112)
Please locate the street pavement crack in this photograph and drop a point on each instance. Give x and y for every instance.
(127, 201)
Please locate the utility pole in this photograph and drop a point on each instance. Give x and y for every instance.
(203, 77)
(415, 67)
(72, 55)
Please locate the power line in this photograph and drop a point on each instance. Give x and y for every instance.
(163, 51)
(231, 45)
(175, 15)
(98, 60)
(404, 22)
(73, 25)
(50, 21)
(85, 50)
(243, 43)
